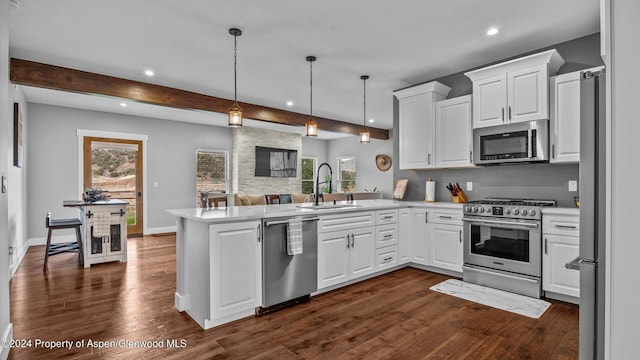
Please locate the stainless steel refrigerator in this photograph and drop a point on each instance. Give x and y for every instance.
(590, 263)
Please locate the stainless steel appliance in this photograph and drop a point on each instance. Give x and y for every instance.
(503, 244)
(512, 143)
(287, 278)
(592, 215)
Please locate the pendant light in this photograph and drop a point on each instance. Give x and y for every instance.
(365, 137)
(235, 111)
(311, 125)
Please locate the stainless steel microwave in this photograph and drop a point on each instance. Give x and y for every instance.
(512, 143)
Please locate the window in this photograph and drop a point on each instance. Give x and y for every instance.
(347, 174)
(212, 172)
(308, 175)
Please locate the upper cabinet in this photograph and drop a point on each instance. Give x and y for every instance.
(453, 146)
(513, 91)
(416, 126)
(564, 123)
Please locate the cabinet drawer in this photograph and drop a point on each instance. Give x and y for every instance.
(386, 257)
(444, 216)
(386, 235)
(568, 225)
(386, 216)
(346, 221)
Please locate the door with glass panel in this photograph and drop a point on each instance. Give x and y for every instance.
(115, 166)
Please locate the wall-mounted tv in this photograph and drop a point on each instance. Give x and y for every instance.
(272, 162)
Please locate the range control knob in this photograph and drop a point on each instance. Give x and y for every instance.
(475, 209)
(532, 213)
(508, 211)
(481, 209)
(524, 211)
(516, 212)
(467, 209)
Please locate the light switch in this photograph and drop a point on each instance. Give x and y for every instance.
(573, 185)
(155, 184)
(469, 186)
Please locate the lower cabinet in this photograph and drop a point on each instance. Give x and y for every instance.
(404, 235)
(345, 255)
(446, 246)
(419, 239)
(561, 244)
(99, 249)
(235, 271)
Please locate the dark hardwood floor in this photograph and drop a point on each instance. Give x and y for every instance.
(394, 316)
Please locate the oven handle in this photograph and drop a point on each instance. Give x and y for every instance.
(508, 224)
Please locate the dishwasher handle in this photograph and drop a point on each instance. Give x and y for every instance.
(279, 222)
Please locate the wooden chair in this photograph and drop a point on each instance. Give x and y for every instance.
(334, 196)
(272, 199)
(54, 249)
(208, 200)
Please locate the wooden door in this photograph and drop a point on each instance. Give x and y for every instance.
(115, 166)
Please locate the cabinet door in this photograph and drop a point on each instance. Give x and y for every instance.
(453, 132)
(565, 118)
(415, 132)
(117, 243)
(236, 268)
(528, 94)
(96, 246)
(333, 258)
(559, 250)
(446, 246)
(404, 235)
(489, 101)
(419, 236)
(362, 254)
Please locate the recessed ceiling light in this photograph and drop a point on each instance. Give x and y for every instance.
(492, 31)
(371, 120)
(289, 103)
(149, 72)
(123, 104)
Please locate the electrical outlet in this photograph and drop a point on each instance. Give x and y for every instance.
(469, 186)
(155, 184)
(573, 185)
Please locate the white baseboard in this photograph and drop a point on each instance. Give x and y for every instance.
(21, 253)
(54, 240)
(160, 230)
(6, 335)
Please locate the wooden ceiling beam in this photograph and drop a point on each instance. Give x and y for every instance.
(30, 73)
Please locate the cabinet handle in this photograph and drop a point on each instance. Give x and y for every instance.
(258, 233)
(470, 157)
(388, 217)
(388, 236)
(502, 114)
(353, 241)
(509, 113)
(553, 151)
(545, 246)
(445, 217)
(426, 217)
(566, 226)
(348, 242)
(388, 259)
(460, 236)
(429, 159)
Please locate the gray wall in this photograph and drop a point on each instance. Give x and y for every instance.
(538, 181)
(367, 174)
(315, 148)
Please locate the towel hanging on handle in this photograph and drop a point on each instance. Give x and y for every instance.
(294, 236)
(102, 223)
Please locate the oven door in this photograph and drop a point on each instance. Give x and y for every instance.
(506, 244)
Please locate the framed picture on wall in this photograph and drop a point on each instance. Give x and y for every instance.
(18, 145)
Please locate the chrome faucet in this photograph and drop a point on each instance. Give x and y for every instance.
(316, 200)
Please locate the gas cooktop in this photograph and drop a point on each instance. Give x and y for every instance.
(507, 208)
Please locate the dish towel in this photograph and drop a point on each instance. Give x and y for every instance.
(294, 236)
(101, 223)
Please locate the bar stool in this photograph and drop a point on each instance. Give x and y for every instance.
(272, 199)
(53, 249)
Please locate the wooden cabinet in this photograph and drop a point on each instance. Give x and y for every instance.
(235, 270)
(513, 91)
(564, 134)
(561, 244)
(404, 235)
(100, 249)
(453, 144)
(416, 124)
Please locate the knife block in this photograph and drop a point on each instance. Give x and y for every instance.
(461, 198)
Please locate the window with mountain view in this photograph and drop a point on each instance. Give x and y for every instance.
(212, 172)
(347, 174)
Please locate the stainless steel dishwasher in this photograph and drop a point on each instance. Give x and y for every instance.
(288, 278)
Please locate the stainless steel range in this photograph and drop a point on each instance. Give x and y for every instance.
(503, 244)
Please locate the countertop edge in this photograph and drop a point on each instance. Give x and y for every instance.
(561, 211)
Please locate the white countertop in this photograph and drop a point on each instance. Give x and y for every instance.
(436, 204)
(561, 211)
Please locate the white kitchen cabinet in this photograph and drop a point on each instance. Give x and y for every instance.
(416, 124)
(419, 238)
(453, 147)
(236, 268)
(564, 134)
(104, 248)
(404, 235)
(345, 255)
(561, 244)
(513, 91)
(446, 246)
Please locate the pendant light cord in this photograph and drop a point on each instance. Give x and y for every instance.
(235, 71)
(364, 116)
(311, 89)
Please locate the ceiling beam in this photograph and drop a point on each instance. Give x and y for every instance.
(29, 73)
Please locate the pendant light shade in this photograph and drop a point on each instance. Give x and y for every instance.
(235, 111)
(311, 126)
(365, 136)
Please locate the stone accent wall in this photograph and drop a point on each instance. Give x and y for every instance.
(244, 144)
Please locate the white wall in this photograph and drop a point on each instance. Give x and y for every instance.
(6, 160)
(625, 171)
(367, 174)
